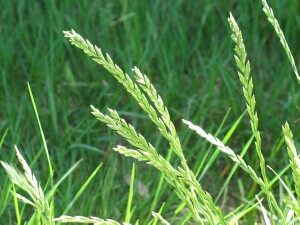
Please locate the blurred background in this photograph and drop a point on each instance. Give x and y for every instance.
(186, 50)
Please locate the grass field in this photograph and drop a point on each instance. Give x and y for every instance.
(185, 49)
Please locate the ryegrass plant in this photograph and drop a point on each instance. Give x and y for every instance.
(270, 15)
(184, 181)
(29, 184)
(244, 76)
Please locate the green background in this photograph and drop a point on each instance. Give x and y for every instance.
(185, 49)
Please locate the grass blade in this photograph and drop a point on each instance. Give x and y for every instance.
(42, 134)
(130, 196)
(81, 190)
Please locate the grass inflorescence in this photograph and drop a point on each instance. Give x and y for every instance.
(175, 170)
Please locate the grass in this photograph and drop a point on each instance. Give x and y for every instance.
(179, 52)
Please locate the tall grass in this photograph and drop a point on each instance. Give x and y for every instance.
(202, 207)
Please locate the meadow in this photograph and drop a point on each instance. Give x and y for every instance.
(185, 48)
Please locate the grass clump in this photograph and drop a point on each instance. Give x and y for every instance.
(201, 205)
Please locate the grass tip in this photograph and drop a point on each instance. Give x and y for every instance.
(94, 108)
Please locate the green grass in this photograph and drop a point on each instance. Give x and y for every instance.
(186, 50)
